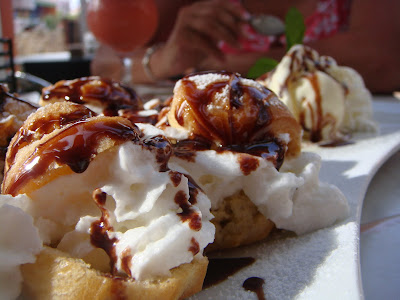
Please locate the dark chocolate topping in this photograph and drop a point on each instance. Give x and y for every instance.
(243, 122)
(100, 228)
(255, 284)
(75, 145)
(111, 94)
(240, 127)
(188, 214)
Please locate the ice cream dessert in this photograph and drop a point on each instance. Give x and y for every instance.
(103, 96)
(13, 112)
(328, 100)
(241, 144)
(116, 219)
(19, 243)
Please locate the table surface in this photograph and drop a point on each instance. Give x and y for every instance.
(380, 238)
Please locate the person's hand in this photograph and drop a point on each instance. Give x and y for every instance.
(198, 30)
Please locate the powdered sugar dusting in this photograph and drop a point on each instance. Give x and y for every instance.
(287, 264)
(251, 82)
(203, 80)
(223, 94)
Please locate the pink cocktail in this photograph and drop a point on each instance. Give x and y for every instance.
(123, 25)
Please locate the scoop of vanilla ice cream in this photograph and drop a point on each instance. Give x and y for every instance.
(19, 243)
(316, 204)
(154, 221)
(293, 198)
(327, 99)
(358, 115)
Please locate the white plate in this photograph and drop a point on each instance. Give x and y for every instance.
(325, 263)
(380, 238)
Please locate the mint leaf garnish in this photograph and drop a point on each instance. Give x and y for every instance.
(294, 27)
(294, 32)
(262, 66)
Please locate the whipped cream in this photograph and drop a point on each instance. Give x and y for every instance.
(262, 158)
(328, 100)
(152, 220)
(293, 198)
(19, 243)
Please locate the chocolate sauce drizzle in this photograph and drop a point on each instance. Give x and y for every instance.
(188, 214)
(194, 246)
(99, 230)
(88, 89)
(99, 237)
(241, 127)
(175, 177)
(36, 130)
(76, 145)
(117, 99)
(162, 149)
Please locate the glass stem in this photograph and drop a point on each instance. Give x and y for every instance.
(127, 70)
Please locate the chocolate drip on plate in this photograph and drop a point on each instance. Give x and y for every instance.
(255, 284)
(219, 269)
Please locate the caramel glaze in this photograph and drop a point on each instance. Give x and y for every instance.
(116, 98)
(243, 136)
(163, 150)
(75, 145)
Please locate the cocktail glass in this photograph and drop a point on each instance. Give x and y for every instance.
(123, 25)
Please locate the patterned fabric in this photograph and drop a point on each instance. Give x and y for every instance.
(330, 17)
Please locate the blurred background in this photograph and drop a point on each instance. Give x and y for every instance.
(49, 37)
(49, 26)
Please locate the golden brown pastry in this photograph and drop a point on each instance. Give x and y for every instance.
(56, 275)
(231, 111)
(102, 95)
(242, 145)
(116, 219)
